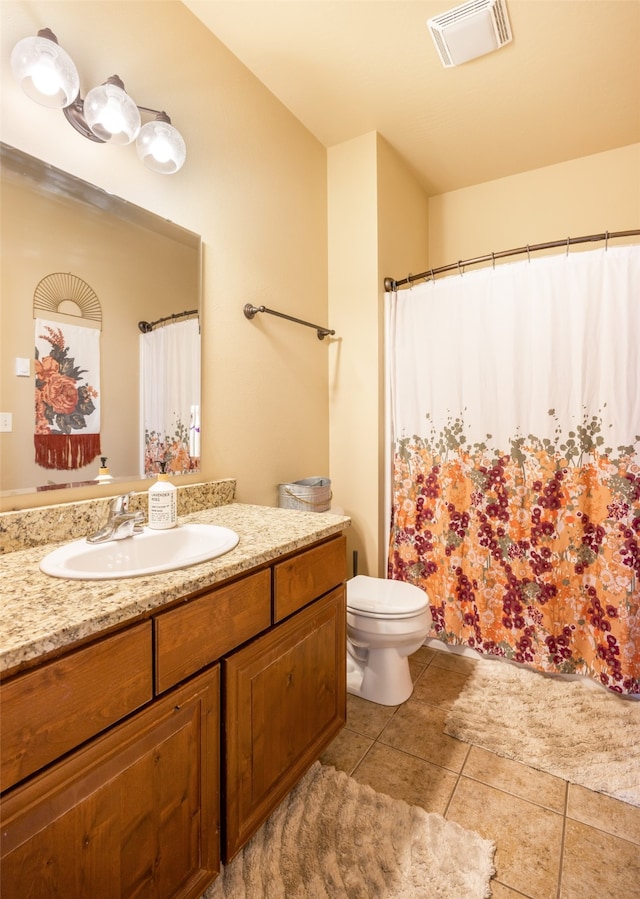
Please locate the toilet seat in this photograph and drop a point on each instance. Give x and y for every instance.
(374, 597)
(384, 616)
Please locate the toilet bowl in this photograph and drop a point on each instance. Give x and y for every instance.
(386, 621)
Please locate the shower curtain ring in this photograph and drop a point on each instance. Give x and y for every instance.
(606, 241)
(433, 277)
(493, 260)
(460, 269)
(568, 239)
(410, 281)
(528, 253)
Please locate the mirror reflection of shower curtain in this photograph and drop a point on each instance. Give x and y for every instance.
(514, 416)
(170, 398)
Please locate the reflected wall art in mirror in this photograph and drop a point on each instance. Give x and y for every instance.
(79, 261)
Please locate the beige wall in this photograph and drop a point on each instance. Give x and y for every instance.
(353, 309)
(254, 187)
(585, 196)
(377, 225)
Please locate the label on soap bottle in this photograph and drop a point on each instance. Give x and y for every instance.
(163, 507)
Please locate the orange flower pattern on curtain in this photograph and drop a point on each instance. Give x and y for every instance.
(529, 551)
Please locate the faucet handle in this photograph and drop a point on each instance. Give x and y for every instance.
(139, 519)
(120, 504)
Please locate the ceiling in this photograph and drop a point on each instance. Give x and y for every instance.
(567, 86)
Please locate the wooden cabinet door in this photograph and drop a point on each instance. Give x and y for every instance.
(133, 814)
(285, 700)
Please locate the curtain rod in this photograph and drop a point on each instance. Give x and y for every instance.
(145, 327)
(250, 311)
(392, 284)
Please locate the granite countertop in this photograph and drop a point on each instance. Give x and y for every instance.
(42, 614)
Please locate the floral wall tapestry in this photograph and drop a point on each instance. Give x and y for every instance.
(170, 398)
(514, 417)
(67, 398)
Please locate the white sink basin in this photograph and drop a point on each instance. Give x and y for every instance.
(146, 553)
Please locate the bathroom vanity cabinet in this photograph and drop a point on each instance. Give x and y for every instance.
(136, 763)
(133, 813)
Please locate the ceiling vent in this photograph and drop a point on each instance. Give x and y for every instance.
(470, 30)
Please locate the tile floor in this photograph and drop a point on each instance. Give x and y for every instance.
(554, 840)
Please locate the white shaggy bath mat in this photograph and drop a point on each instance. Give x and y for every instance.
(333, 838)
(573, 729)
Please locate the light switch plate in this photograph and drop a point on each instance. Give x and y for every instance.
(6, 422)
(23, 367)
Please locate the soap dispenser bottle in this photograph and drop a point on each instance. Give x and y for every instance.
(103, 472)
(163, 505)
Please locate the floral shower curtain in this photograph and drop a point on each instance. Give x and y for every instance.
(514, 416)
(170, 398)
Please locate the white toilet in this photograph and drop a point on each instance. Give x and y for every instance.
(386, 621)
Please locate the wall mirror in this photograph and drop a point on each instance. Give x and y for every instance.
(140, 267)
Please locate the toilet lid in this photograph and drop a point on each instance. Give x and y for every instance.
(384, 597)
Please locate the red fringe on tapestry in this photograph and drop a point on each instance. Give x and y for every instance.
(66, 451)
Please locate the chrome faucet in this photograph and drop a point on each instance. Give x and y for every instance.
(121, 523)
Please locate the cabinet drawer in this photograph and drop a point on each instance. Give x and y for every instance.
(192, 636)
(305, 577)
(52, 709)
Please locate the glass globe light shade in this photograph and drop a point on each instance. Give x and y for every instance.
(45, 71)
(161, 146)
(111, 114)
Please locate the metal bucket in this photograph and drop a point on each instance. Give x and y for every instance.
(307, 495)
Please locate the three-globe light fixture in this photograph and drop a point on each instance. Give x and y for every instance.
(107, 114)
